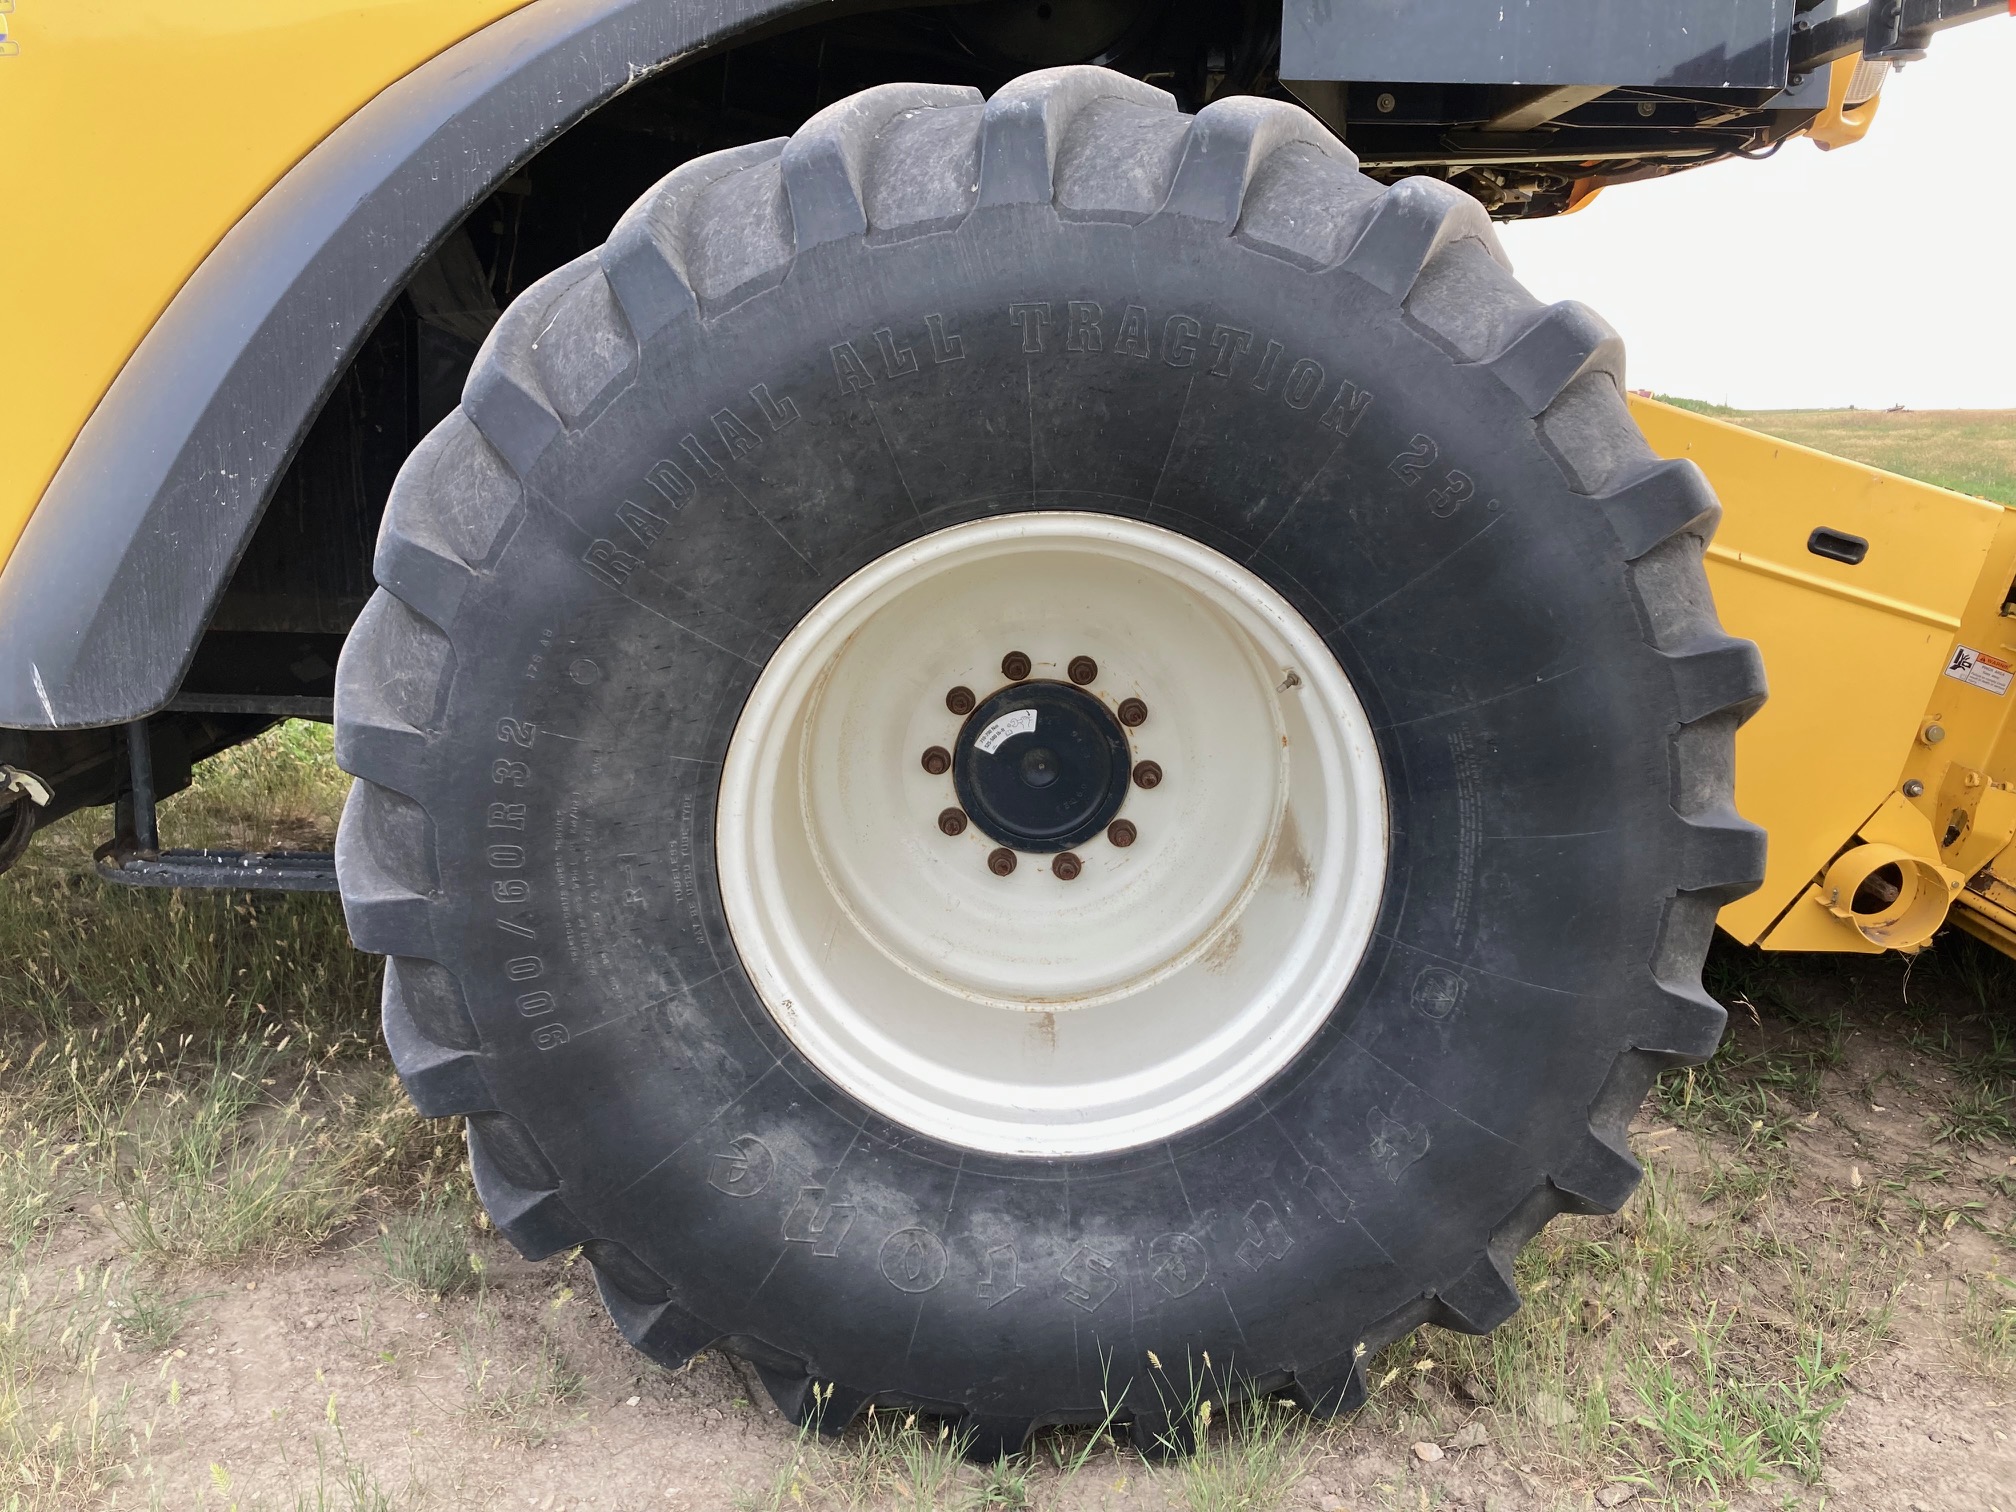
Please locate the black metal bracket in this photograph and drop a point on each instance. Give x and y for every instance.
(133, 857)
(1893, 31)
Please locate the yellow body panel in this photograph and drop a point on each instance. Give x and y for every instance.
(1854, 654)
(137, 133)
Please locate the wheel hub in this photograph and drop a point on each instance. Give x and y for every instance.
(1089, 908)
(1041, 766)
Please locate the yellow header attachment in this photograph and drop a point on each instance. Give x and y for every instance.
(1882, 764)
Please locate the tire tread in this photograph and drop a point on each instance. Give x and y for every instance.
(903, 160)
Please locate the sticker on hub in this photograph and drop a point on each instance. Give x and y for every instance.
(1023, 722)
(1980, 670)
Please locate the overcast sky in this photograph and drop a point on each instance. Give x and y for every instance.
(1878, 274)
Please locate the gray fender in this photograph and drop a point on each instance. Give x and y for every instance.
(102, 601)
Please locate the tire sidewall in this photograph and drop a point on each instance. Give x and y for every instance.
(879, 392)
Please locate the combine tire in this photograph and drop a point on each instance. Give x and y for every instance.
(1017, 738)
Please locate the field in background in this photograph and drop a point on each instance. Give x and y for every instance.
(238, 1271)
(1968, 451)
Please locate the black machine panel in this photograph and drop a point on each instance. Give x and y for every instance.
(1677, 44)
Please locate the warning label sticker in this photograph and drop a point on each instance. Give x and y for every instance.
(1023, 721)
(1980, 670)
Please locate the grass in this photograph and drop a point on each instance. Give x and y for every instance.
(519, 1383)
(201, 1073)
(1986, 1324)
(427, 1251)
(65, 1438)
(1968, 451)
(1254, 1459)
(202, 1066)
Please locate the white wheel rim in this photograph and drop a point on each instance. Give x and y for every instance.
(1027, 1014)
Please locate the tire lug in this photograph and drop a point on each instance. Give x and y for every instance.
(960, 701)
(952, 821)
(1133, 712)
(1121, 832)
(1001, 861)
(1065, 867)
(937, 761)
(1015, 666)
(1147, 774)
(1082, 670)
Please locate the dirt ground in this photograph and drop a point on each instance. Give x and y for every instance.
(241, 1273)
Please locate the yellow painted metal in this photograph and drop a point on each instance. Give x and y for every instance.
(138, 132)
(1970, 773)
(1840, 124)
(1854, 654)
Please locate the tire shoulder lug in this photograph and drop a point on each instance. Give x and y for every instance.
(1721, 854)
(1565, 342)
(662, 1331)
(825, 164)
(386, 915)
(1597, 1177)
(1684, 1028)
(1480, 1299)
(1026, 121)
(645, 256)
(1665, 500)
(1717, 674)
(1330, 1388)
(1229, 139)
(428, 582)
(442, 1081)
(538, 1223)
(988, 1437)
(791, 1390)
(1410, 223)
(503, 395)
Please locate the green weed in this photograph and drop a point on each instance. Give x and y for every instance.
(426, 1251)
(1255, 1455)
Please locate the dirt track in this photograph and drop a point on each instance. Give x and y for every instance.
(1838, 1185)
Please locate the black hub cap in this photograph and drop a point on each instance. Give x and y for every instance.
(1041, 766)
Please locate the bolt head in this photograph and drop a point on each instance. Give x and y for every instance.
(1934, 734)
(1082, 670)
(952, 821)
(1001, 861)
(1914, 789)
(1121, 832)
(1133, 712)
(1147, 774)
(960, 701)
(937, 761)
(1015, 666)
(1385, 103)
(1065, 867)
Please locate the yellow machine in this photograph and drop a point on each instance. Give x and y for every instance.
(1882, 763)
(1014, 712)
(1916, 759)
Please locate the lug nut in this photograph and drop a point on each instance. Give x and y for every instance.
(1121, 833)
(1065, 867)
(937, 761)
(960, 700)
(1133, 712)
(952, 821)
(1001, 861)
(1082, 670)
(1147, 774)
(1014, 666)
